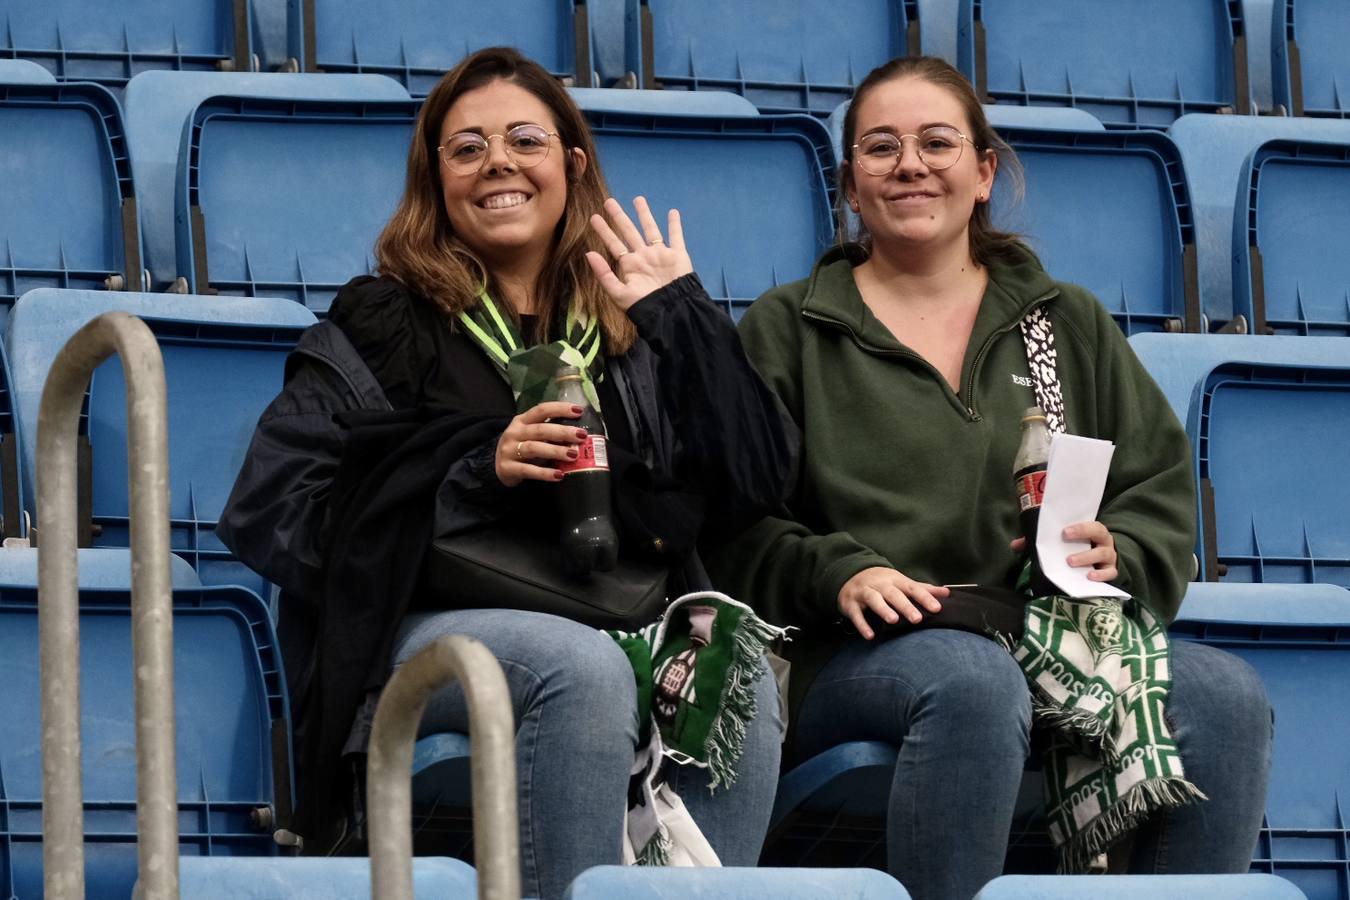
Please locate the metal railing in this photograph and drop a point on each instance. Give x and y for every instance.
(151, 607)
(492, 761)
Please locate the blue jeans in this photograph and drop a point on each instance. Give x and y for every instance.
(575, 705)
(958, 707)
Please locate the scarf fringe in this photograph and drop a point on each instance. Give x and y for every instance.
(1126, 814)
(657, 852)
(726, 738)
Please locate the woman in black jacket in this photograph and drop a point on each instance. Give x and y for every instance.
(397, 424)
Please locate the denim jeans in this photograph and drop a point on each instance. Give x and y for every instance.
(575, 705)
(958, 707)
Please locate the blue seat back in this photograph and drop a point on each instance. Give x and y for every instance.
(417, 41)
(223, 361)
(1291, 274)
(332, 878)
(1132, 245)
(1140, 887)
(1297, 637)
(1309, 67)
(656, 883)
(799, 57)
(1137, 63)
(286, 198)
(1268, 419)
(108, 43)
(21, 71)
(67, 216)
(753, 191)
(157, 105)
(229, 696)
(1214, 149)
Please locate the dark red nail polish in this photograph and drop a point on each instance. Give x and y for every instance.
(572, 454)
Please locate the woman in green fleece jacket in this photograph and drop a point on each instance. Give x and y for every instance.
(902, 362)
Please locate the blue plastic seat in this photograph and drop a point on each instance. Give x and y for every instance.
(280, 878)
(417, 41)
(223, 361)
(230, 706)
(100, 567)
(1269, 422)
(108, 43)
(655, 883)
(1291, 274)
(21, 71)
(67, 210)
(1297, 637)
(157, 107)
(1139, 887)
(753, 191)
(799, 57)
(259, 210)
(1133, 245)
(1214, 150)
(1309, 68)
(1138, 63)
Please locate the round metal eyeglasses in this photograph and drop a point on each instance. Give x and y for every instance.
(466, 152)
(938, 147)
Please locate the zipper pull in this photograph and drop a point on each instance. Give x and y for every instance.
(974, 416)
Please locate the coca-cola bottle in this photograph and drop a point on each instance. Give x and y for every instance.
(587, 538)
(1029, 466)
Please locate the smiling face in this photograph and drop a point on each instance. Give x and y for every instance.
(504, 212)
(915, 206)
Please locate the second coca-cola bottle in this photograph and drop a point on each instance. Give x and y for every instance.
(587, 536)
(1029, 467)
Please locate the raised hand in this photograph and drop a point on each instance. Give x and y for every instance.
(643, 262)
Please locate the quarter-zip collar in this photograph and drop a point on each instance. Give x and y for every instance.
(1015, 288)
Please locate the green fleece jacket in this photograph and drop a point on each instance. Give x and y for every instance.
(900, 470)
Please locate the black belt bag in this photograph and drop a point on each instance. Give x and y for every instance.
(497, 568)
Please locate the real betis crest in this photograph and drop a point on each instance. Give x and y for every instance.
(1105, 629)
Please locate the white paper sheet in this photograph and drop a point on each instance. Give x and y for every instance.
(1075, 479)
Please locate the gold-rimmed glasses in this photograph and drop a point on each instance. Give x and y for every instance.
(938, 147)
(526, 146)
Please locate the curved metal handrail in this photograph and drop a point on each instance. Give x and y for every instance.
(492, 763)
(151, 606)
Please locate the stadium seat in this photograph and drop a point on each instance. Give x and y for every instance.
(1139, 887)
(1297, 637)
(67, 205)
(223, 361)
(214, 878)
(285, 198)
(21, 71)
(1291, 274)
(1269, 422)
(157, 106)
(417, 41)
(100, 567)
(1309, 67)
(231, 713)
(655, 883)
(1214, 149)
(801, 57)
(108, 43)
(1131, 64)
(754, 192)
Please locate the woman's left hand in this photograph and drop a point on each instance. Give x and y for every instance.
(1102, 556)
(642, 260)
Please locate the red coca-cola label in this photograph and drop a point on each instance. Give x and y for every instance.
(591, 454)
(1030, 489)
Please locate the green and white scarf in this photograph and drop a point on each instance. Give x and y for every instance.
(1099, 676)
(696, 669)
(697, 665)
(530, 370)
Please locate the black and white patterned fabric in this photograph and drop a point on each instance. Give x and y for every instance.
(1042, 360)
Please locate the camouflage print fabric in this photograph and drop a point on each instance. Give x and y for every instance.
(530, 370)
(1099, 677)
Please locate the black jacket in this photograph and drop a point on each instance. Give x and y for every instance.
(341, 490)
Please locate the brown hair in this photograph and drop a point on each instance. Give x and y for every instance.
(419, 247)
(987, 243)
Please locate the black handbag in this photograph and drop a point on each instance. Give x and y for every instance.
(497, 568)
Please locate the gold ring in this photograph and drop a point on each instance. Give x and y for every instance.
(520, 452)
(622, 253)
(654, 241)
